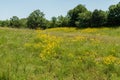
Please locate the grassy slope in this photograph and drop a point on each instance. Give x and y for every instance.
(19, 63)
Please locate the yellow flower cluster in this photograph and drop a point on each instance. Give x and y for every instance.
(45, 44)
(111, 60)
(48, 44)
(65, 29)
(89, 30)
(79, 38)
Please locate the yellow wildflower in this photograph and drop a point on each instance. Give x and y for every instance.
(109, 59)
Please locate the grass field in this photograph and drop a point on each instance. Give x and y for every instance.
(60, 54)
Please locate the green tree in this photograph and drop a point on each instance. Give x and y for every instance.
(14, 22)
(84, 20)
(114, 15)
(23, 22)
(63, 21)
(74, 13)
(36, 20)
(99, 18)
(53, 22)
(4, 23)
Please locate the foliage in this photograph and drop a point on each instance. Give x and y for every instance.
(84, 20)
(63, 21)
(53, 22)
(15, 22)
(36, 20)
(4, 23)
(23, 22)
(74, 13)
(99, 18)
(114, 15)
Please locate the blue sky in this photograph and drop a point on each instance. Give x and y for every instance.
(22, 8)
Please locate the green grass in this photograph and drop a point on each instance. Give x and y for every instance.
(81, 55)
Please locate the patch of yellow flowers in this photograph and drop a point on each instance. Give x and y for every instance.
(79, 38)
(45, 43)
(89, 30)
(111, 60)
(107, 60)
(64, 29)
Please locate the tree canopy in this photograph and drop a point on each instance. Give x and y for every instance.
(74, 13)
(78, 17)
(36, 20)
(98, 18)
(114, 15)
(14, 22)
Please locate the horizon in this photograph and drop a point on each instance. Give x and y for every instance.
(22, 9)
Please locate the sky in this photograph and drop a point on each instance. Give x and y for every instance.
(22, 8)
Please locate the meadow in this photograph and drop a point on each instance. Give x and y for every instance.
(60, 54)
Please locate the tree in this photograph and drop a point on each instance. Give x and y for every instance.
(114, 15)
(99, 18)
(23, 22)
(74, 13)
(14, 22)
(63, 21)
(4, 23)
(53, 22)
(84, 20)
(36, 20)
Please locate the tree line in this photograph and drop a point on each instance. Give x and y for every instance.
(79, 17)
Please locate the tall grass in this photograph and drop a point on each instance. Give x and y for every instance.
(60, 54)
